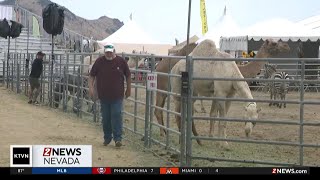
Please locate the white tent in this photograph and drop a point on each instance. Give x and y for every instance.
(129, 33)
(312, 23)
(130, 37)
(274, 28)
(225, 27)
(278, 27)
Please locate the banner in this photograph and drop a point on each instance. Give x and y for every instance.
(35, 27)
(203, 15)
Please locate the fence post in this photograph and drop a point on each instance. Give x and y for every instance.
(78, 94)
(81, 85)
(95, 119)
(66, 82)
(153, 62)
(3, 72)
(26, 73)
(12, 72)
(301, 111)
(136, 97)
(189, 112)
(147, 136)
(65, 89)
(183, 111)
(18, 78)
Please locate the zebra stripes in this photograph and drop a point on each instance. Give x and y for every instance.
(270, 69)
(279, 89)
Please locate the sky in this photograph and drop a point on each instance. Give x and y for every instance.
(165, 20)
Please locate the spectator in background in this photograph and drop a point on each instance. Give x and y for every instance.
(36, 71)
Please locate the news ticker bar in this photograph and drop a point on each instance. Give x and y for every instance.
(164, 170)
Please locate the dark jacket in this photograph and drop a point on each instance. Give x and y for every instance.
(36, 69)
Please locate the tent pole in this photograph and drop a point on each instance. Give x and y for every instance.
(8, 59)
(188, 30)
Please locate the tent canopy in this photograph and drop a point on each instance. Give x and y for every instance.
(240, 43)
(129, 33)
(277, 29)
(224, 27)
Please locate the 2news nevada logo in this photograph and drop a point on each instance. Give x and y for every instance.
(21, 156)
(62, 156)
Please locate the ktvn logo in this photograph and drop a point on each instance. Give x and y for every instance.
(21, 156)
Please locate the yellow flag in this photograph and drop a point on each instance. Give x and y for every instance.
(35, 27)
(203, 14)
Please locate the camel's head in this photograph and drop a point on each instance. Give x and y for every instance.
(274, 48)
(251, 113)
(133, 60)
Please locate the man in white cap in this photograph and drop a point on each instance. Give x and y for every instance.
(109, 73)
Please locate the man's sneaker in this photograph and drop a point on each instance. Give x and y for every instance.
(36, 103)
(106, 143)
(30, 102)
(118, 144)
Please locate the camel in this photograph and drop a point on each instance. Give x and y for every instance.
(269, 49)
(165, 66)
(212, 88)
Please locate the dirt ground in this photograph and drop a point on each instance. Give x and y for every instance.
(24, 124)
(262, 131)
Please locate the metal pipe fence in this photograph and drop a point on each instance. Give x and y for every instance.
(69, 81)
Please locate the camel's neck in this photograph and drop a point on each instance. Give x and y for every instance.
(242, 89)
(251, 69)
(262, 54)
(132, 62)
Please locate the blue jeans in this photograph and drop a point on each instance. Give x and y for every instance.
(112, 120)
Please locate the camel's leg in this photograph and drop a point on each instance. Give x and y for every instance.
(160, 101)
(213, 113)
(177, 104)
(195, 133)
(203, 110)
(222, 124)
(194, 130)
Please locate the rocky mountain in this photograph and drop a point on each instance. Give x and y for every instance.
(98, 29)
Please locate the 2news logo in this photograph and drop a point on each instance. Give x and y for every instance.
(20, 156)
(48, 151)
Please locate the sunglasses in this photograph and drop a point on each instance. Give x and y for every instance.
(108, 47)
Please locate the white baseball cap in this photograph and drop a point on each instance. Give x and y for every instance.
(109, 47)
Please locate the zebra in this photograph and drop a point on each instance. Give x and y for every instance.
(270, 70)
(279, 89)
